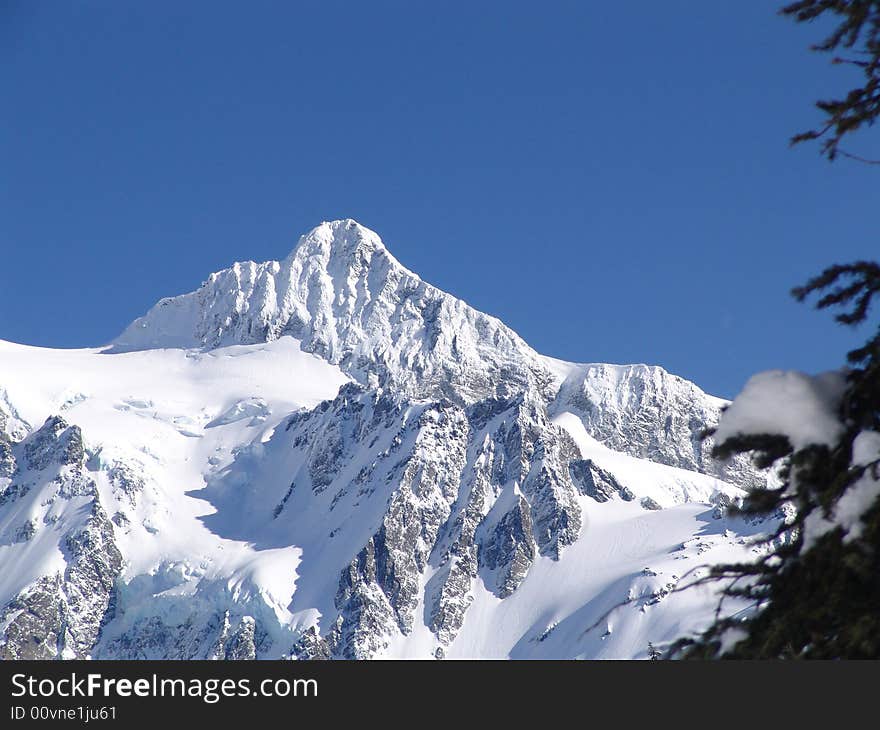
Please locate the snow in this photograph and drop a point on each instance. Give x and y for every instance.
(346, 298)
(147, 394)
(666, 485)
(858, 498)
(806, 409)
(854, 502)
(607, 597)
(193, 397)
(866, 448)
(255, 409)
(177, 415)
(791, 403)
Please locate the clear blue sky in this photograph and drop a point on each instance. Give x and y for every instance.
(613, 180)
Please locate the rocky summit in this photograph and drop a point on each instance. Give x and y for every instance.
(326, 457)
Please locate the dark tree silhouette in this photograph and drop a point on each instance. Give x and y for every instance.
(857, 38)
(819, 599)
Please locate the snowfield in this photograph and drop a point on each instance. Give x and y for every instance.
(326, 457)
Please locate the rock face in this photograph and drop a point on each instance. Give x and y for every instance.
(237, 644)
(348, 300)
(438, 477)
(649, 413)
(596, 482)
(12, 426)
(201, 634)
(59, 614)
(455, 491)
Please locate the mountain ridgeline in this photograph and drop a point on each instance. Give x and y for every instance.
(442, 489)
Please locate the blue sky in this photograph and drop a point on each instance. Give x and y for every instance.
(613, 180)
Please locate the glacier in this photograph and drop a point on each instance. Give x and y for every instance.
(326, 457)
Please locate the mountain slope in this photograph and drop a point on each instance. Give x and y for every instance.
(328, 457)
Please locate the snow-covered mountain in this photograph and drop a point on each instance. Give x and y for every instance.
(328, 457)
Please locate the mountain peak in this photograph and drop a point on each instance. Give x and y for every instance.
(349, 301)
(343, 237)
